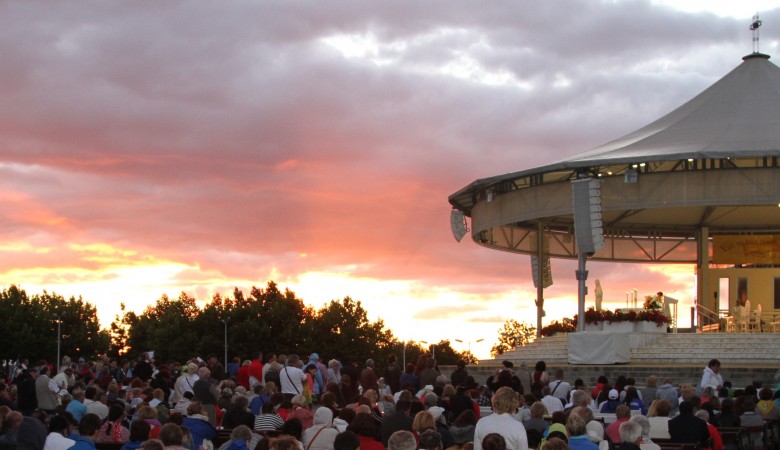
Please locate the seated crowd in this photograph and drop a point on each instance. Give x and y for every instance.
(283, 403)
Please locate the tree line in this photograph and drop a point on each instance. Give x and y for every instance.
(264, 319)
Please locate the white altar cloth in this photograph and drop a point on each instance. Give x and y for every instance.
(599, 347)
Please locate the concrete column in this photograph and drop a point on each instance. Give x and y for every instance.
(540, 283)
(704, 292)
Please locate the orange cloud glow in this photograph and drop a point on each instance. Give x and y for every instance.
(149, 148)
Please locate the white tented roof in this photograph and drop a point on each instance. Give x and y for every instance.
(737, 117)
(713, 163)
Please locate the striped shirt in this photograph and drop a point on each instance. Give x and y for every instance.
(268, 422)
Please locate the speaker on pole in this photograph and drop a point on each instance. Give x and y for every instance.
(545, 273)
(458, 224)
(586, 203)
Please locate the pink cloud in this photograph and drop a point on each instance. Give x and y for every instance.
(231, 138)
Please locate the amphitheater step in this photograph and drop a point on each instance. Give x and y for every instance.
(681, 356)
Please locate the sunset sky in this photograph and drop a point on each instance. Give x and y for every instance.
(150, 148)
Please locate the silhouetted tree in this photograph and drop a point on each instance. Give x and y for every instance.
(120, 328)
(29, 327)
(166, 328)
(342, 328)
(512, 334)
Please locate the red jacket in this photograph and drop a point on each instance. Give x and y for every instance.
(243, 377)
(256, 369)
(369, 443)
(717, 440)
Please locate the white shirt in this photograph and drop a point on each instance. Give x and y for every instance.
(97, 408)
(562, 391)
(512, 431)
(712, 379)
(181, 406)
(552, 404)
(292, 379)
(324, 439)
(334, 375)
(183, 384)
(56, 441)
(56, 388)
(266, 368)
(62, 380)
(188, 382)
(659, 427)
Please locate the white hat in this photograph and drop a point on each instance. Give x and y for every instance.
(436, 411)
(595, 431)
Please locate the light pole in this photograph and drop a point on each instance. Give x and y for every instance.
(476, 342)
(58, 318)
(225, 321)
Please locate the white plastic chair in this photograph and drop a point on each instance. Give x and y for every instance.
(754, 323)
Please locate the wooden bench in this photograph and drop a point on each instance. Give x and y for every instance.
(772, 435)
(711, 328)
(737, 438)
(222, 437)
(729, 435)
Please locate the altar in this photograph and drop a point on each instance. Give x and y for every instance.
(642, 326)
(605, 347)
(599, 347)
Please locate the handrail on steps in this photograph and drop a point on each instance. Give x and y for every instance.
(706, 316)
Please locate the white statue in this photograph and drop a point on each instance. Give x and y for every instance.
(599, 295)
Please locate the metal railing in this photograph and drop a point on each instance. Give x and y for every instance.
(707, 319)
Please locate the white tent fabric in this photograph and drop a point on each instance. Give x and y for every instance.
(738, 116)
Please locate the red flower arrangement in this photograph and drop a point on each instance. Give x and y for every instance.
(651, 315)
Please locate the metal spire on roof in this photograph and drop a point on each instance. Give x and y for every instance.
(754, 28)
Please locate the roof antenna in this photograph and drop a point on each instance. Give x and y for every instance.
(754, 28)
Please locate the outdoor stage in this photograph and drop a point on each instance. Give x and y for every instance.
(745, 357)
(740, 374)
(671, 192)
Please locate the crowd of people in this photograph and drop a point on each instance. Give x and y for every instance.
(284, 402)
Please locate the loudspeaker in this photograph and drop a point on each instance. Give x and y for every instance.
(586, 204)
(458, 224)
(546, 271)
